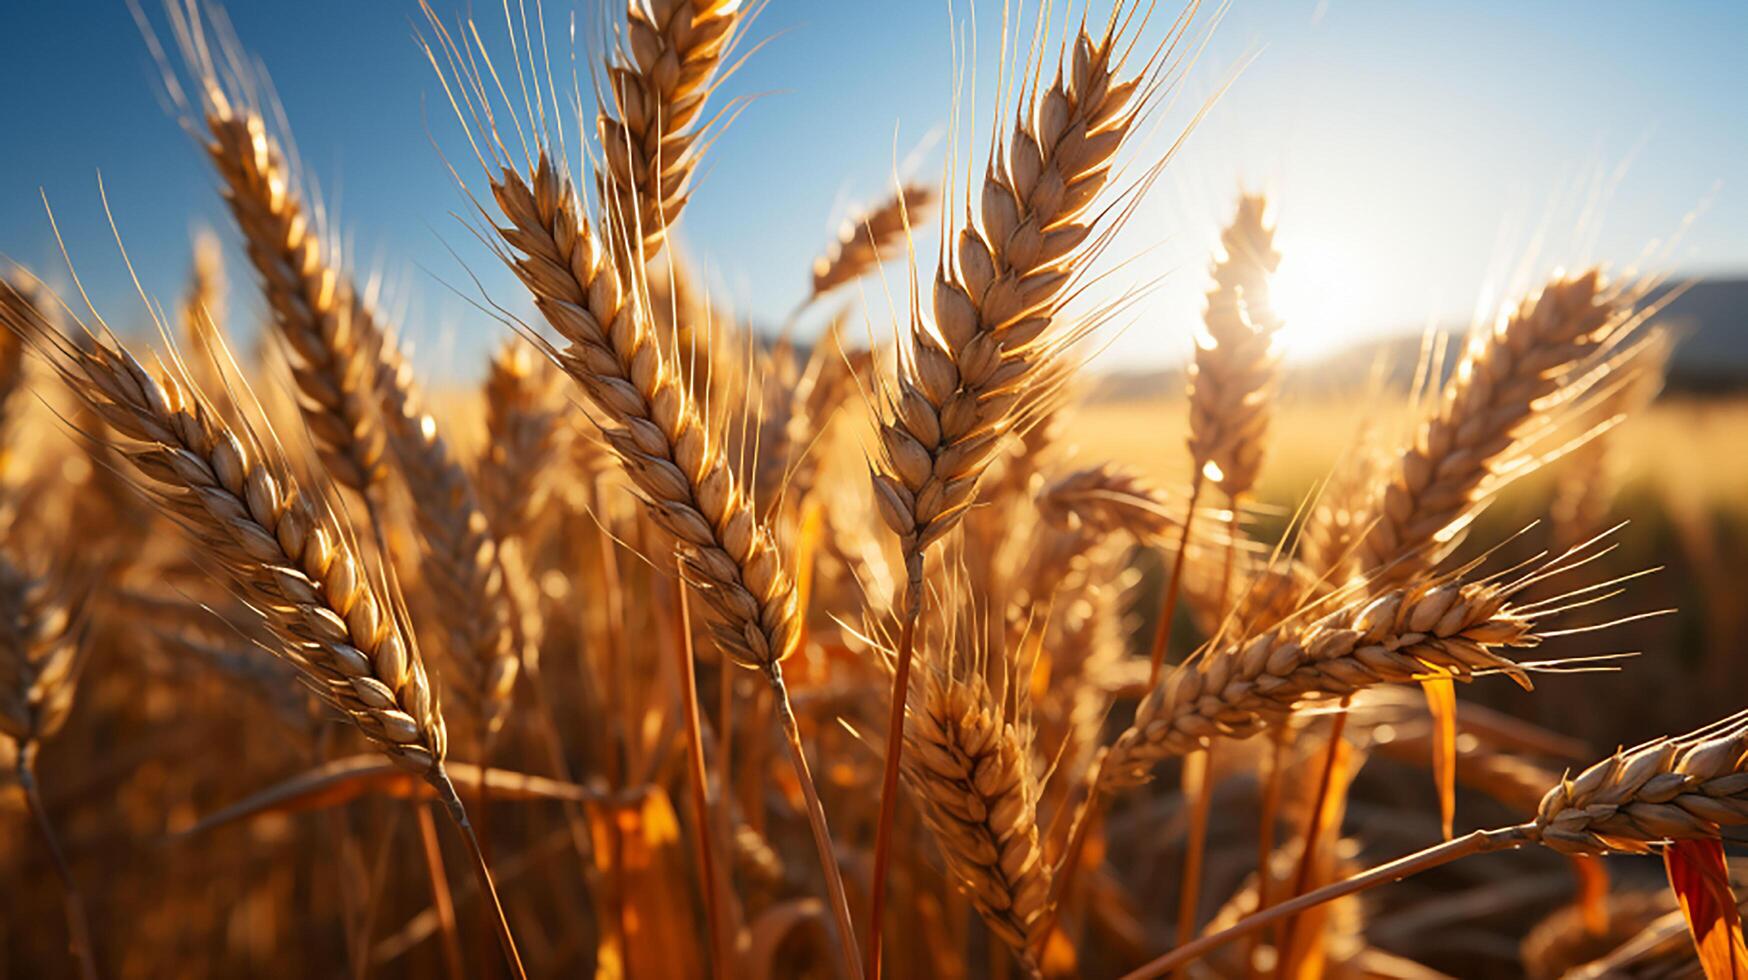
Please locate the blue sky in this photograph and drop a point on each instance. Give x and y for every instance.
(1424, 157)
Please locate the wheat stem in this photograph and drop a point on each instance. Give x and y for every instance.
(1200, 766)
(822, 838)
(696, 778)
(1479, 842)
(889, 776)
(1313, 829)
(1173, 585)
(451, 800)
(78, 926)
(441, 900)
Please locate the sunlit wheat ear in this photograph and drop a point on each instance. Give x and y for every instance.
(1505, 390)
(357, 392)
(1000, 287)
(657, 431)
(328, 331)
(285, 553)
(1673, 788)
(969, 759)
(870, 238)
(1108, 499)
(1434, 627)
(651, 126)
(1231, 377)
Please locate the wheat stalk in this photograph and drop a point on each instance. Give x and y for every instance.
(1683, 788)
(285, 553)
(998, 293)
(651, 137)
(730, 557)
(869, 239)
(1507, 382)
(358, 394)
(650, 420)
(522, 433)
(461, 566)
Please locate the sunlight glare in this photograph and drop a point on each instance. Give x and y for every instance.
(1318, 294)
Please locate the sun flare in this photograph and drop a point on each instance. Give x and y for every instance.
(1315, 293)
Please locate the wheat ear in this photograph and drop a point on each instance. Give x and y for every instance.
(203, 317)
(357, 393)
(650, 420)
(653, 135)
(970, 764)
(1400, 637)
(522, 431)
(1231, 377)
(870, 238)
(314, 306)
(730, 557)
(1685, 787)
(1682, 788)
(1507, 381)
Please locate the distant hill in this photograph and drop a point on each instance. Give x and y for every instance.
(1709, 318)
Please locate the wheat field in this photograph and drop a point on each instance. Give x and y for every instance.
(667, 644)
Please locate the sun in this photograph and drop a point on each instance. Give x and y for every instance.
(1318, 294)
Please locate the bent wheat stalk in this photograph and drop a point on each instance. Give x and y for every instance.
(1682, 788)
(284, 552)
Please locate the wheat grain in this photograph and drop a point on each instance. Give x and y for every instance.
(729, 556)
(39, 653)
(327, 328)
(461, 565)
(997, 294)
(970, 764)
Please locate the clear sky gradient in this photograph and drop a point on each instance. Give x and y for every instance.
(1424, 157)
